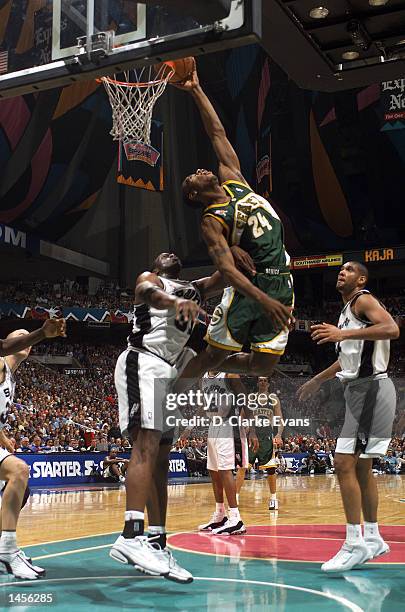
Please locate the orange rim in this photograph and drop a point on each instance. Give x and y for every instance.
(138, 84)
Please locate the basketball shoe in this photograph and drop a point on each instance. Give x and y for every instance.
(175, 571)
(217, 520)
(348, 557)
(230, 527)
(273, 504)
(140, 553)
(17, 563)
(377, 546)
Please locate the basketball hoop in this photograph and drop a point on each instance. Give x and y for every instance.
(133, 99)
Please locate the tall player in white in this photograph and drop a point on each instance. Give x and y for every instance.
(166, 310)
(13, 472)
(362, 341)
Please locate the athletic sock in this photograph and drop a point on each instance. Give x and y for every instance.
(134, 524)
(234, 514)
(220, 508)
(371, 530)
(274, 496)
(158, 534)
(8, 542)
(353, 534)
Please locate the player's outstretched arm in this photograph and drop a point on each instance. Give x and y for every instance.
(229, 165)
(50, 329)
(312, 386)
(149, 290)
(221, 255)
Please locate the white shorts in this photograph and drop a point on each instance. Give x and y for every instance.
(370, 411)
(142, 381)
(227, 448)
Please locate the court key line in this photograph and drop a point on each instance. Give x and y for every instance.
(258, 535)
(341, 600)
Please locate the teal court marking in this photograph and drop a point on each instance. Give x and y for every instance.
(82, 577)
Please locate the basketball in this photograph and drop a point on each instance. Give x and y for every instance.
(183, 68)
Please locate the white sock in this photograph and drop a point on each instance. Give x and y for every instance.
(371, 530)
(8, 542)
(220, 508)
(134, 515)
(234, 514)
(353, 534)
(156, 529)
(274, 496)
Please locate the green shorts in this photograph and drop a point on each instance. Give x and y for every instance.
(239, 320)
(265, 451)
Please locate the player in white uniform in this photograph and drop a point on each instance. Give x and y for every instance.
(14, 473)
(362, 341)
(166, 310)
(227, 450)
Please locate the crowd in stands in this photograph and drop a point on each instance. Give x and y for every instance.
(108, 295)
(55, 412)
(66, 294)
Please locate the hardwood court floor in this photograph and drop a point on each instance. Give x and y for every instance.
(274, 567)
(303, 500)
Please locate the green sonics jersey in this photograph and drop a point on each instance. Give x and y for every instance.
(250, 222)
(264, 413)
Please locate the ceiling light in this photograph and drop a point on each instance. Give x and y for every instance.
(377, 2)
(319, 12)
(350, 55)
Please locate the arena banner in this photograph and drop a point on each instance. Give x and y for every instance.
(140, 164)
(392, 101)
(81, 468)
(316, 261)
(86, 315)
(298, 461)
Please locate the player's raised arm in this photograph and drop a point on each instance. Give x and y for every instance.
(149, 290)
(50, 329)
(221, 255)
(229, 165)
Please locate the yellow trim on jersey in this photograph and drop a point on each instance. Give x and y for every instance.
(226, 317)
(216, 205)
(236, 183)
(264, 350)
(219, 221)
(224, 347)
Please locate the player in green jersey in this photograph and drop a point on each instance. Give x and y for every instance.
(256, 307)
(265, 414)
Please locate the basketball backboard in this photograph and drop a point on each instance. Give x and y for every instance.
(45, 43)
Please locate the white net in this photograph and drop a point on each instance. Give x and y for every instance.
(133, 99)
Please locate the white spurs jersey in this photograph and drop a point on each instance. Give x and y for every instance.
(157, 331)
(218, 394)
(7, 388)
(360, 358)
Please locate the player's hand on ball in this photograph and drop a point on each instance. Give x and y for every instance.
(186, 310)
(326, 333)
(54, 327)
(188, 84)
(278, 312)
(308, 389)
(243, 260)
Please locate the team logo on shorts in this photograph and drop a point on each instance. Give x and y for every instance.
(217, 316)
